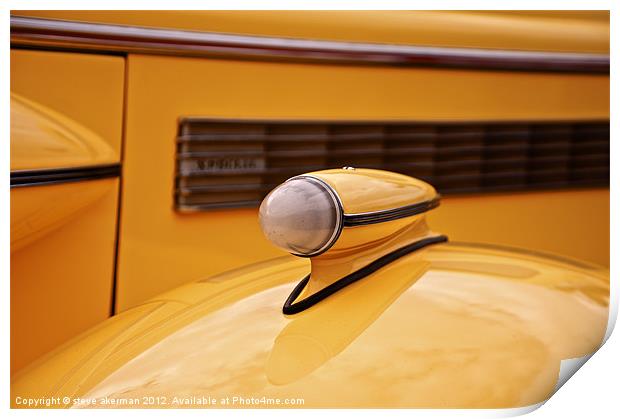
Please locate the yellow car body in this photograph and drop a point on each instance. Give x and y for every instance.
(450, 326)
(82, 251)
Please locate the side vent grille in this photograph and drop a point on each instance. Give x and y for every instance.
(235, 163)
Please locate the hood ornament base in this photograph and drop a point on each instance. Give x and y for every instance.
(292, 307)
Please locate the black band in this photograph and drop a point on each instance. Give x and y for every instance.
(290, 308)
(352, 220)
(38, 177)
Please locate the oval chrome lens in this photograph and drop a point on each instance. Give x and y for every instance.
(302, 216)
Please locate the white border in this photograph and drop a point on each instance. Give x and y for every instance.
(593, 392)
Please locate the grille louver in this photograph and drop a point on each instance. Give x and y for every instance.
(235, 163)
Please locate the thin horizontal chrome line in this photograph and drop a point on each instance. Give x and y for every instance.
(197, 138)
(383, 134)
(185, 207)
(291, 170)
(439, 152)
(328, 152)
(224, 188)
(336, 137)
(192, 120)
(492, 139)
(440, 159)
(486, 174)
(385, 166)
(251, 172)
(192, 155)
(145, 40)
(38, 177)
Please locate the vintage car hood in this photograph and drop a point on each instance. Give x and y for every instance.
(452, 325)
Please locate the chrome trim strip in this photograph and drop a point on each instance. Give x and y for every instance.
(38, 177)
(374, 217)
(134, 39)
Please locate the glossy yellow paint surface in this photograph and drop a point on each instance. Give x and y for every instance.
(42, 139)
(61, 283)
(583, 31)
(85, 88)
(368, 190)
(37, 211)
(161, 249)
(448, 326)
(68, 112)
(573, 223)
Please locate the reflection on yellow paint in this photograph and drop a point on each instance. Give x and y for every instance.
(66, 111)
(488, 329)
(318, 334)
(42, 138)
